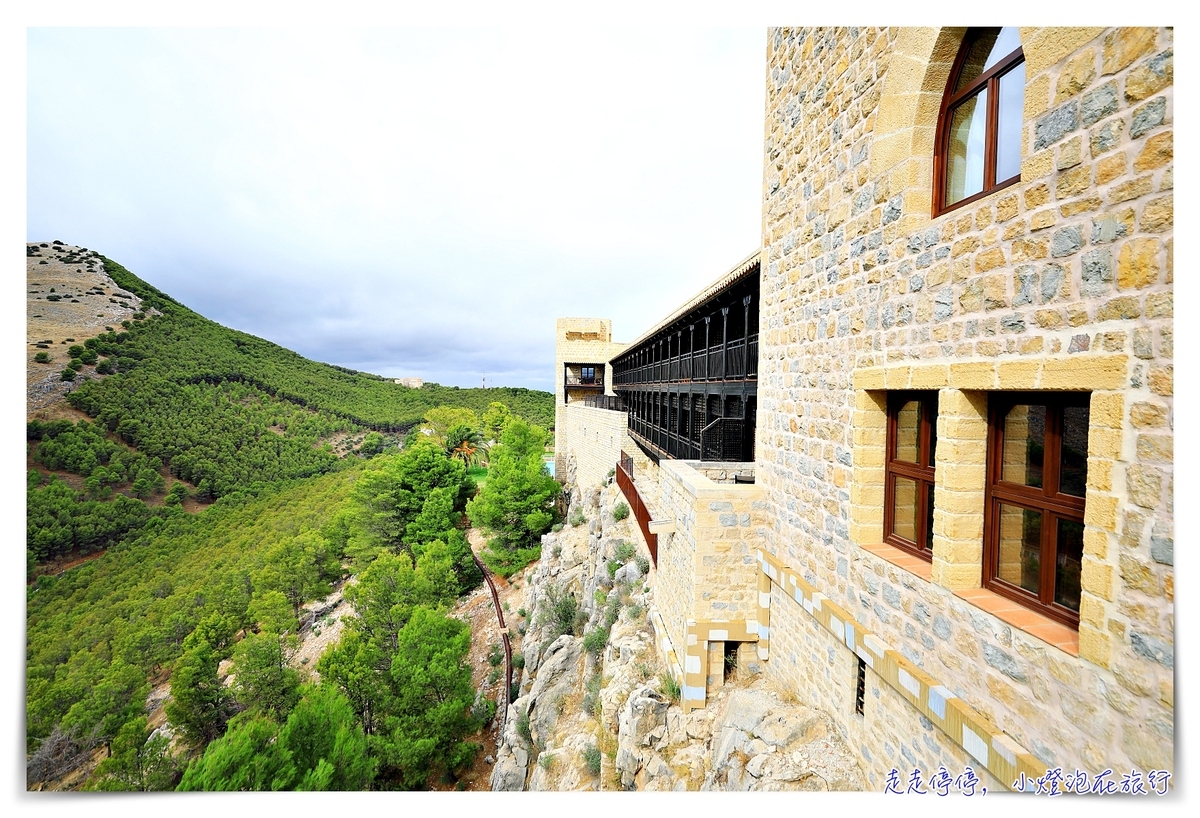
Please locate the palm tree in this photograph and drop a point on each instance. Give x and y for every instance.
(464, 443)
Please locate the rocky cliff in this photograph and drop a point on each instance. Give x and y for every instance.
(597, 710)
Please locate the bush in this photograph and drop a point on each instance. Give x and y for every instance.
(67, 374)
(496, 655)
(621, 511)
(557, 527)
(42, 358)
(591, 697)
(505, 563)
(591, 758)
(670, 687)
(561, 611)
(624, 551)
(518, 660)
(576, 519)
(643, 564)
(595, 641)
(523, 728)
(75, 350)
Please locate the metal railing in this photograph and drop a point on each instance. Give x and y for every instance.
(640, 512)
(722, 439)
(614, 403)
(735, 360)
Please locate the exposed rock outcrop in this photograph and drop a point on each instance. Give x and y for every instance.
(593, 712)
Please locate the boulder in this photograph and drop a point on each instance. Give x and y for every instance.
(656, 775)
(507, 775)
(557, 677)
(747, 708)
(784, 728)
(628, 574)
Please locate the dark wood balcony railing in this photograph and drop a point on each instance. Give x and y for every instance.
(732, 361)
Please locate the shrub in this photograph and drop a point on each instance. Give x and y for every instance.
(495, 655)
(591, 758)
(75, 364)
(591, 697)
(67, 374)
(104, 368)
(634, 611)
(576, 519)
(75, 350)
(557, 527)
(621, 511)
(505, 563)
(643, 564)
(670, 686)
(42, 357)
(518, 660)
(523, 728)
(624, 551)
(546, 761)
(613, 565)
(561, 611)
(595, 641)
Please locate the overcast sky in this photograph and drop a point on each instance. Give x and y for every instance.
(421, 201)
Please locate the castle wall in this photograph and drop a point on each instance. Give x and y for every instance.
(1061, 281)
(578, 340)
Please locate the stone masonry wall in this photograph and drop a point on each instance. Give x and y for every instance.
(1068, 271)
(577, 340)
(707, 569)
(596, 437)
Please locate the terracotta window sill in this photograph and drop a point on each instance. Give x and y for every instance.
(1015, 614)
(901, 559)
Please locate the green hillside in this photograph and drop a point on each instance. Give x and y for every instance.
(223, 409)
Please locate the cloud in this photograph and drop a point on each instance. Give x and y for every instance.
(406, 201)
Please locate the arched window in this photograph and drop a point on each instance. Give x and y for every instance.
(979, 133)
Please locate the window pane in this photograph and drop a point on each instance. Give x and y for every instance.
(1069, 565)
(904, 508)
(989, 46)
(929, 519)
(908, 425)
(932, 434)
(964, 150)
(1020, 547)
(1008, 131)
(1073, 464)
(1024, 444)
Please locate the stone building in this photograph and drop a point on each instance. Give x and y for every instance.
(956, 531)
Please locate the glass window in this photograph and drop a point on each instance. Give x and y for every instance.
(908, 492)
(979, 143)
(1037, 480)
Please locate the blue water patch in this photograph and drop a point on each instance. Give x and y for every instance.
(549, 466)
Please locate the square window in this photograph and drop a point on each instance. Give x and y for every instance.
(1036, 483)
(909, 478)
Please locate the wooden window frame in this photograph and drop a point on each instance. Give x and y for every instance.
(1048, 500)
(922, 472)
(951, 100)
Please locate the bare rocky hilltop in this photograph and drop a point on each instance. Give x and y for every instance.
(70, 298)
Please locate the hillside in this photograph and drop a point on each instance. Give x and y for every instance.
(140, 410)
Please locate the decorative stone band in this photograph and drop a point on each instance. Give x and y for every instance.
(665, 649)
(975, 733)
(695, 668)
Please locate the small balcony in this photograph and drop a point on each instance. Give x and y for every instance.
(582, 378)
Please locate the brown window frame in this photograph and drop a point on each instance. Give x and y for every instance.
(923, 472)
(951, 100)
(1052, 503)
